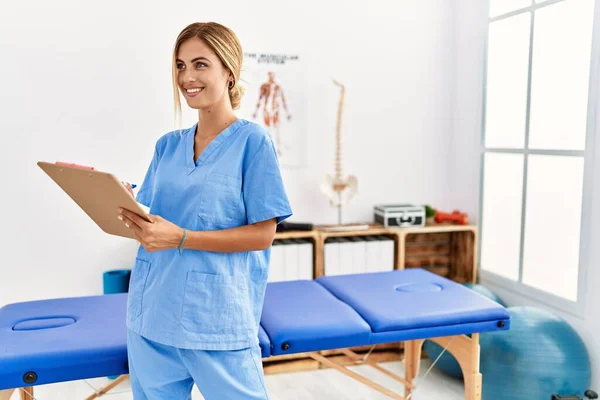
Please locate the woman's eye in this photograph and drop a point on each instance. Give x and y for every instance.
(200, 65)
(180, 66)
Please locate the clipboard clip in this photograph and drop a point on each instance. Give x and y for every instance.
(72, 165)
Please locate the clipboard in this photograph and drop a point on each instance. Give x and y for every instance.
(99, 194)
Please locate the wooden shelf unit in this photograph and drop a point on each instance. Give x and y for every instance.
(447, 250)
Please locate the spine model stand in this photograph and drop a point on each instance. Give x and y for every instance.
(337, 188)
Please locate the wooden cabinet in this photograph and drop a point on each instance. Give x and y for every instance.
(447, 250)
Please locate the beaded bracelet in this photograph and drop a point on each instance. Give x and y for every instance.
(182, 240)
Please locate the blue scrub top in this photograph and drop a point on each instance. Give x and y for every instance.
(202, 299)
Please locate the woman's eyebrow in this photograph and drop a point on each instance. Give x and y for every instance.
(197, 59)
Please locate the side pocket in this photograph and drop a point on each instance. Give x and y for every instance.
(137, 283)
(214, 304)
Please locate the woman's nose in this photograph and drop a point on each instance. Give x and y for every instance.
(188, 76)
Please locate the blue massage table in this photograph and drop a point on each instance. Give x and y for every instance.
(67, 339)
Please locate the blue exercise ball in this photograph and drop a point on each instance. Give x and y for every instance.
(539, 356)
(447, 363)
(486, 292)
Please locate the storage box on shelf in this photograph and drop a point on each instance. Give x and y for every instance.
(447, 250)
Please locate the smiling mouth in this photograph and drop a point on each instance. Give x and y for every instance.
(194, 91)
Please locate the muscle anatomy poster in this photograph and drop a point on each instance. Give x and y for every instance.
(275, 98)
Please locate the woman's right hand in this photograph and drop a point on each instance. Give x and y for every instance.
(128, 187)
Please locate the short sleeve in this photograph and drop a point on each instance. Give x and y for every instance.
(264, 193)
(145, 192)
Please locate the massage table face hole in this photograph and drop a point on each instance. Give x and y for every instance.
(418, 287)
(43, 323)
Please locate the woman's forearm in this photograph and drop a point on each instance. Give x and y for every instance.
(258, 236)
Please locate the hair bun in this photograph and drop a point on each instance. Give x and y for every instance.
(235, 94)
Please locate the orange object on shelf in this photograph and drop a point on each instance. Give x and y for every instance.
(455, 217)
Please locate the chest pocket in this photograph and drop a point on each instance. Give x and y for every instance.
(221, 203)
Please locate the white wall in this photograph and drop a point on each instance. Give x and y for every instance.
(90, 83)
(471, 24)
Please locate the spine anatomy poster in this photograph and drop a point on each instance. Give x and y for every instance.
(275, 98)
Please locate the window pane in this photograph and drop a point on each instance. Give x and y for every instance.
(506, 86)
(552, 223)
(499, 7)
(562, 43)
(501, 217)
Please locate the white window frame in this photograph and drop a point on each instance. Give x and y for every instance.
(493, 280)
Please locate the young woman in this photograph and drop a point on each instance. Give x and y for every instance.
(215, 195)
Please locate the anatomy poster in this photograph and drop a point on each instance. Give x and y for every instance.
(275, 98)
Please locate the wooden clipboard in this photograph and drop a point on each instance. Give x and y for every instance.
(99, 194)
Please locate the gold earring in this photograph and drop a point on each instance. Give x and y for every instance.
(231, 84)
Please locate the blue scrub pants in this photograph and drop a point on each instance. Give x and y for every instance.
(163, 372)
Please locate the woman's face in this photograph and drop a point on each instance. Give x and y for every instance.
(202, 78)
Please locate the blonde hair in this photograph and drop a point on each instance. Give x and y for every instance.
(224, 42)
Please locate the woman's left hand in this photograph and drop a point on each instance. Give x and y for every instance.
(159, 234)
